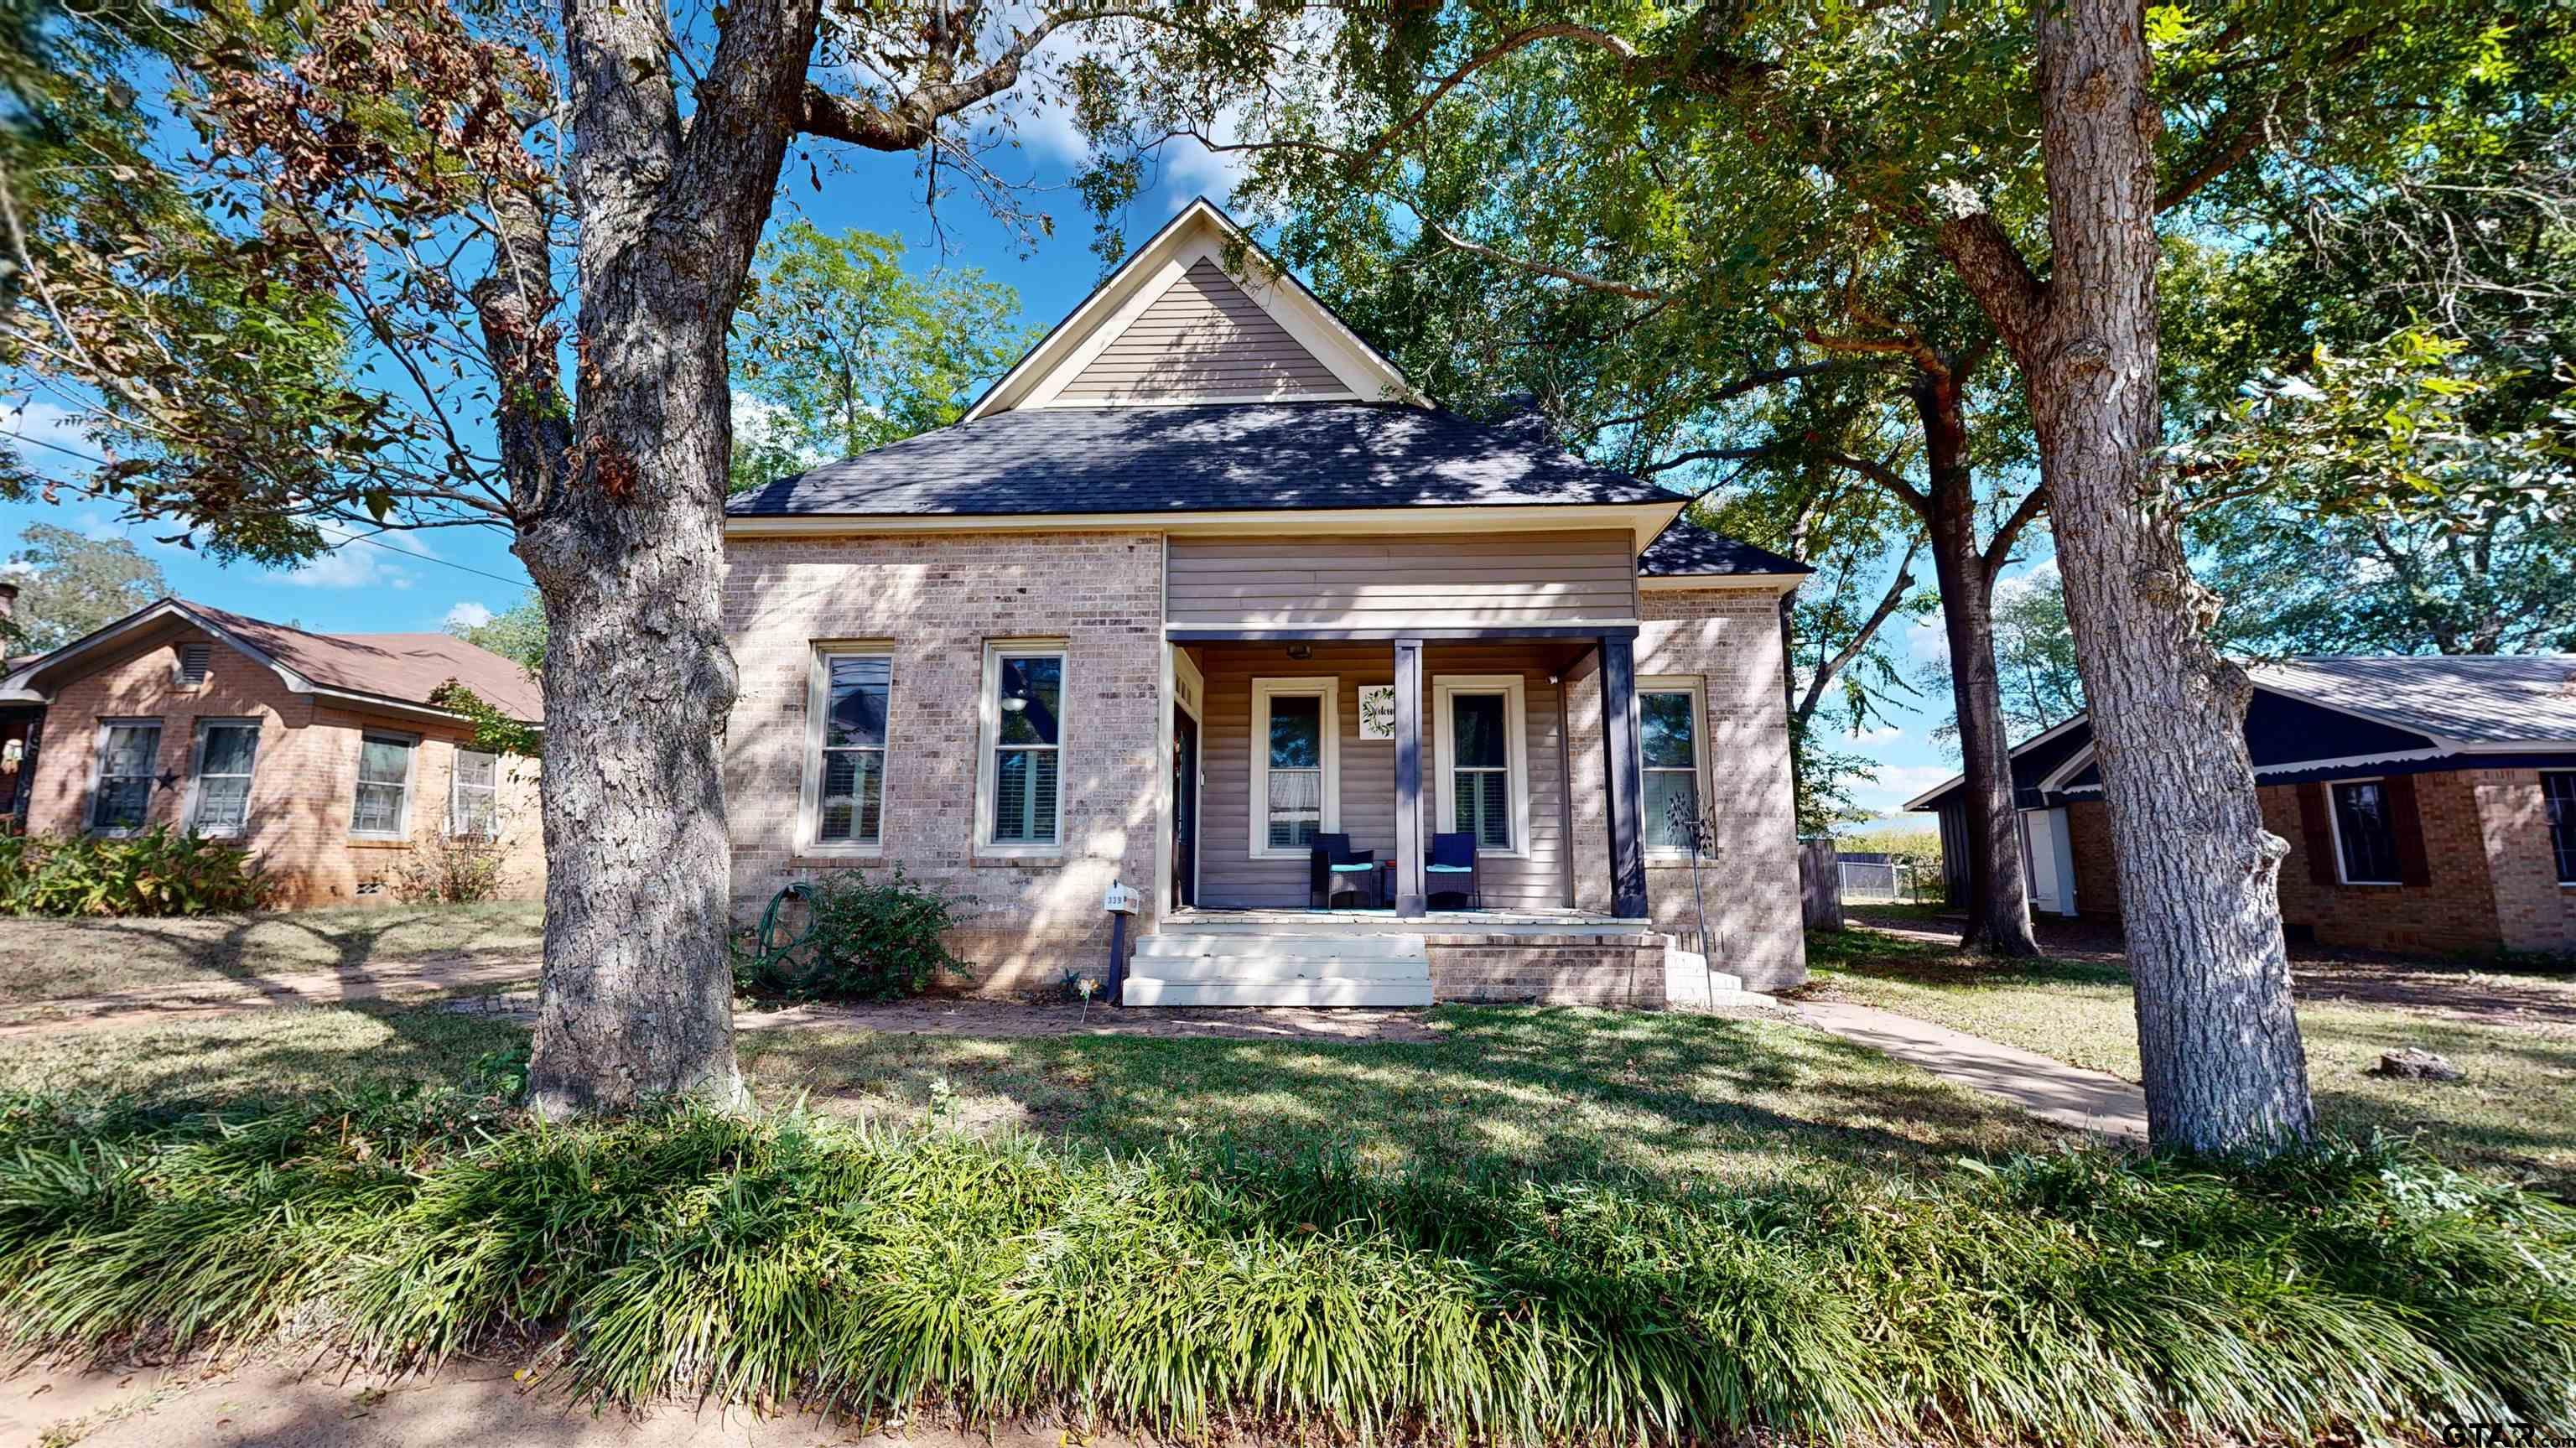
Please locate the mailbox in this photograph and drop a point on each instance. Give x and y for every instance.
(1121, 899)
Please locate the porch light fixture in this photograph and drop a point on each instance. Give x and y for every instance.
(1301, 651)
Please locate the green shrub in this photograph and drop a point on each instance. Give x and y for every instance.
(2081, 1298)
(157, 872)
(863, 939)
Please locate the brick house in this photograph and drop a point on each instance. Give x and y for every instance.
(2430, 803)
(325, 755)
(1202, 585)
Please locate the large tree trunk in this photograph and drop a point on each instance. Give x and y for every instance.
(1998, 895)
(628, 554)
(2223, 1066)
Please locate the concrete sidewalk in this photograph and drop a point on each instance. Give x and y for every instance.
(2045, 1087)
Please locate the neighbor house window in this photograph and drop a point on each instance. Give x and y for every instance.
(2365, 832)
(474, 795)
(1296, 764)
(845, 778)
(1668, 714)
(2559, 789)
(227, 750)
(1023, 767)
(383, 805)
(128, 751)
(1484, 763)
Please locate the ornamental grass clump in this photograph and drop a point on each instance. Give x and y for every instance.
(784, 1259)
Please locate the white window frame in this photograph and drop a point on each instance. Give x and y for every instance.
(411, 783)
(1697, 687)
(197, 775)
(1327, 688)
(2334, 827)
(1514, 690)
(988, 744)
(2568, 774)
(456, 787)
(809, 790)
(98, 775)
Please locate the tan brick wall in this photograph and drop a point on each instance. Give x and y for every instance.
(1556, 970)
(2533, 911)
(937, 599)
(303, 784)
(1730, 640)
(2486, 845)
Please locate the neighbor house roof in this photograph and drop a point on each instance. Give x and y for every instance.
(1235, 457)
(1687, 550)
(2315, 714)
(394, 668)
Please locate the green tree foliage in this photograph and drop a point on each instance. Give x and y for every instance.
(2034, 656)
(517, 633)
(843, 349)
(71, 585)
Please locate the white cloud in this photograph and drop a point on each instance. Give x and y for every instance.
(1897, 783)
(359, 558)
(467, 614)
(1926, 641)
(46, 427)
(2019, 584)
(1883, 734)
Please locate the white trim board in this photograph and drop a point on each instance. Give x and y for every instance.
(1327, 687)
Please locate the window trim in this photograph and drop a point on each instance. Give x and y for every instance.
(2334, 827)
(98, 774)
(1696, 686)
(809, 789)
(411, 783)
(2565, 881)
(1328, 688)
(1514, 689)
(205, 725)
(988, 745)
(456, 783)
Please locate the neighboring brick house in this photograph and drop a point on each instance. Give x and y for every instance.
(324, 755)
(2429, 803)
(1201, 581)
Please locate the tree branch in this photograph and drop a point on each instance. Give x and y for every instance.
(2031, 506)
(908, 122)
(1997, 275)
(1886, 477)
(1540, 268)
(1887, 606)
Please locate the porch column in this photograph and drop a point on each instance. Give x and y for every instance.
(1409, 898)
(1625, 769)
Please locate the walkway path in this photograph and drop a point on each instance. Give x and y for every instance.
(2044, 1086)
(225, 995)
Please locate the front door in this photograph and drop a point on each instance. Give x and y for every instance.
(1185, 809)
(2048, 861)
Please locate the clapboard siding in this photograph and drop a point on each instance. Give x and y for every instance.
(1229, 878)
(1206, 338)
(1432, 581)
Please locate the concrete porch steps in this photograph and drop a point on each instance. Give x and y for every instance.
(1270, 969)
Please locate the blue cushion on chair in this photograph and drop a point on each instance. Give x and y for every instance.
(1449, 869)
(1351, 869)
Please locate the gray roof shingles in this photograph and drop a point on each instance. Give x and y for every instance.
(1687, 550)
(1243, 457)
(2475, 699)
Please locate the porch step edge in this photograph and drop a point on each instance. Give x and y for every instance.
(1324, 991)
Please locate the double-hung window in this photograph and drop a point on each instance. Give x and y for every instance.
(2558, 787)
(474, 795)
(1296, 764)
(227, 751)
(1023, 765)
(128, 751)
(845, 775)
(382, 807)
(1668, 715)
(1484, 760)
(2365, 832)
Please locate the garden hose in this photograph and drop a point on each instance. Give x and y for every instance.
(768, 955)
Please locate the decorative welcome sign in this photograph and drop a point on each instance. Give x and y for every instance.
(1377, 711)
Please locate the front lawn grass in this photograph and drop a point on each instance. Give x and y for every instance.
(2516, 1111)
(46, 959)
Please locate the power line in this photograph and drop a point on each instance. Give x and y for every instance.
(369, 539)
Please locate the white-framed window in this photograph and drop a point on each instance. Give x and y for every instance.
(1296, 765)
(843, 802)
(219, 773)
(2365, 831)
(2558, 790)
(1672, 716)
(1483, 744)
(1020, 777)
(474, 794)
(129, 750)
(381, 808)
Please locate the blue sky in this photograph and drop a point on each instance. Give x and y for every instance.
(405, 582)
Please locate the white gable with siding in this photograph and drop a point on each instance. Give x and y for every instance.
(1175, 325)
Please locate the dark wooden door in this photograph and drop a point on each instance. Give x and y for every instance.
(1185, 808)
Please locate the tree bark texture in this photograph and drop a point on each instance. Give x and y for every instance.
(627, 551)
(1998, 894)
(2223, 1065)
